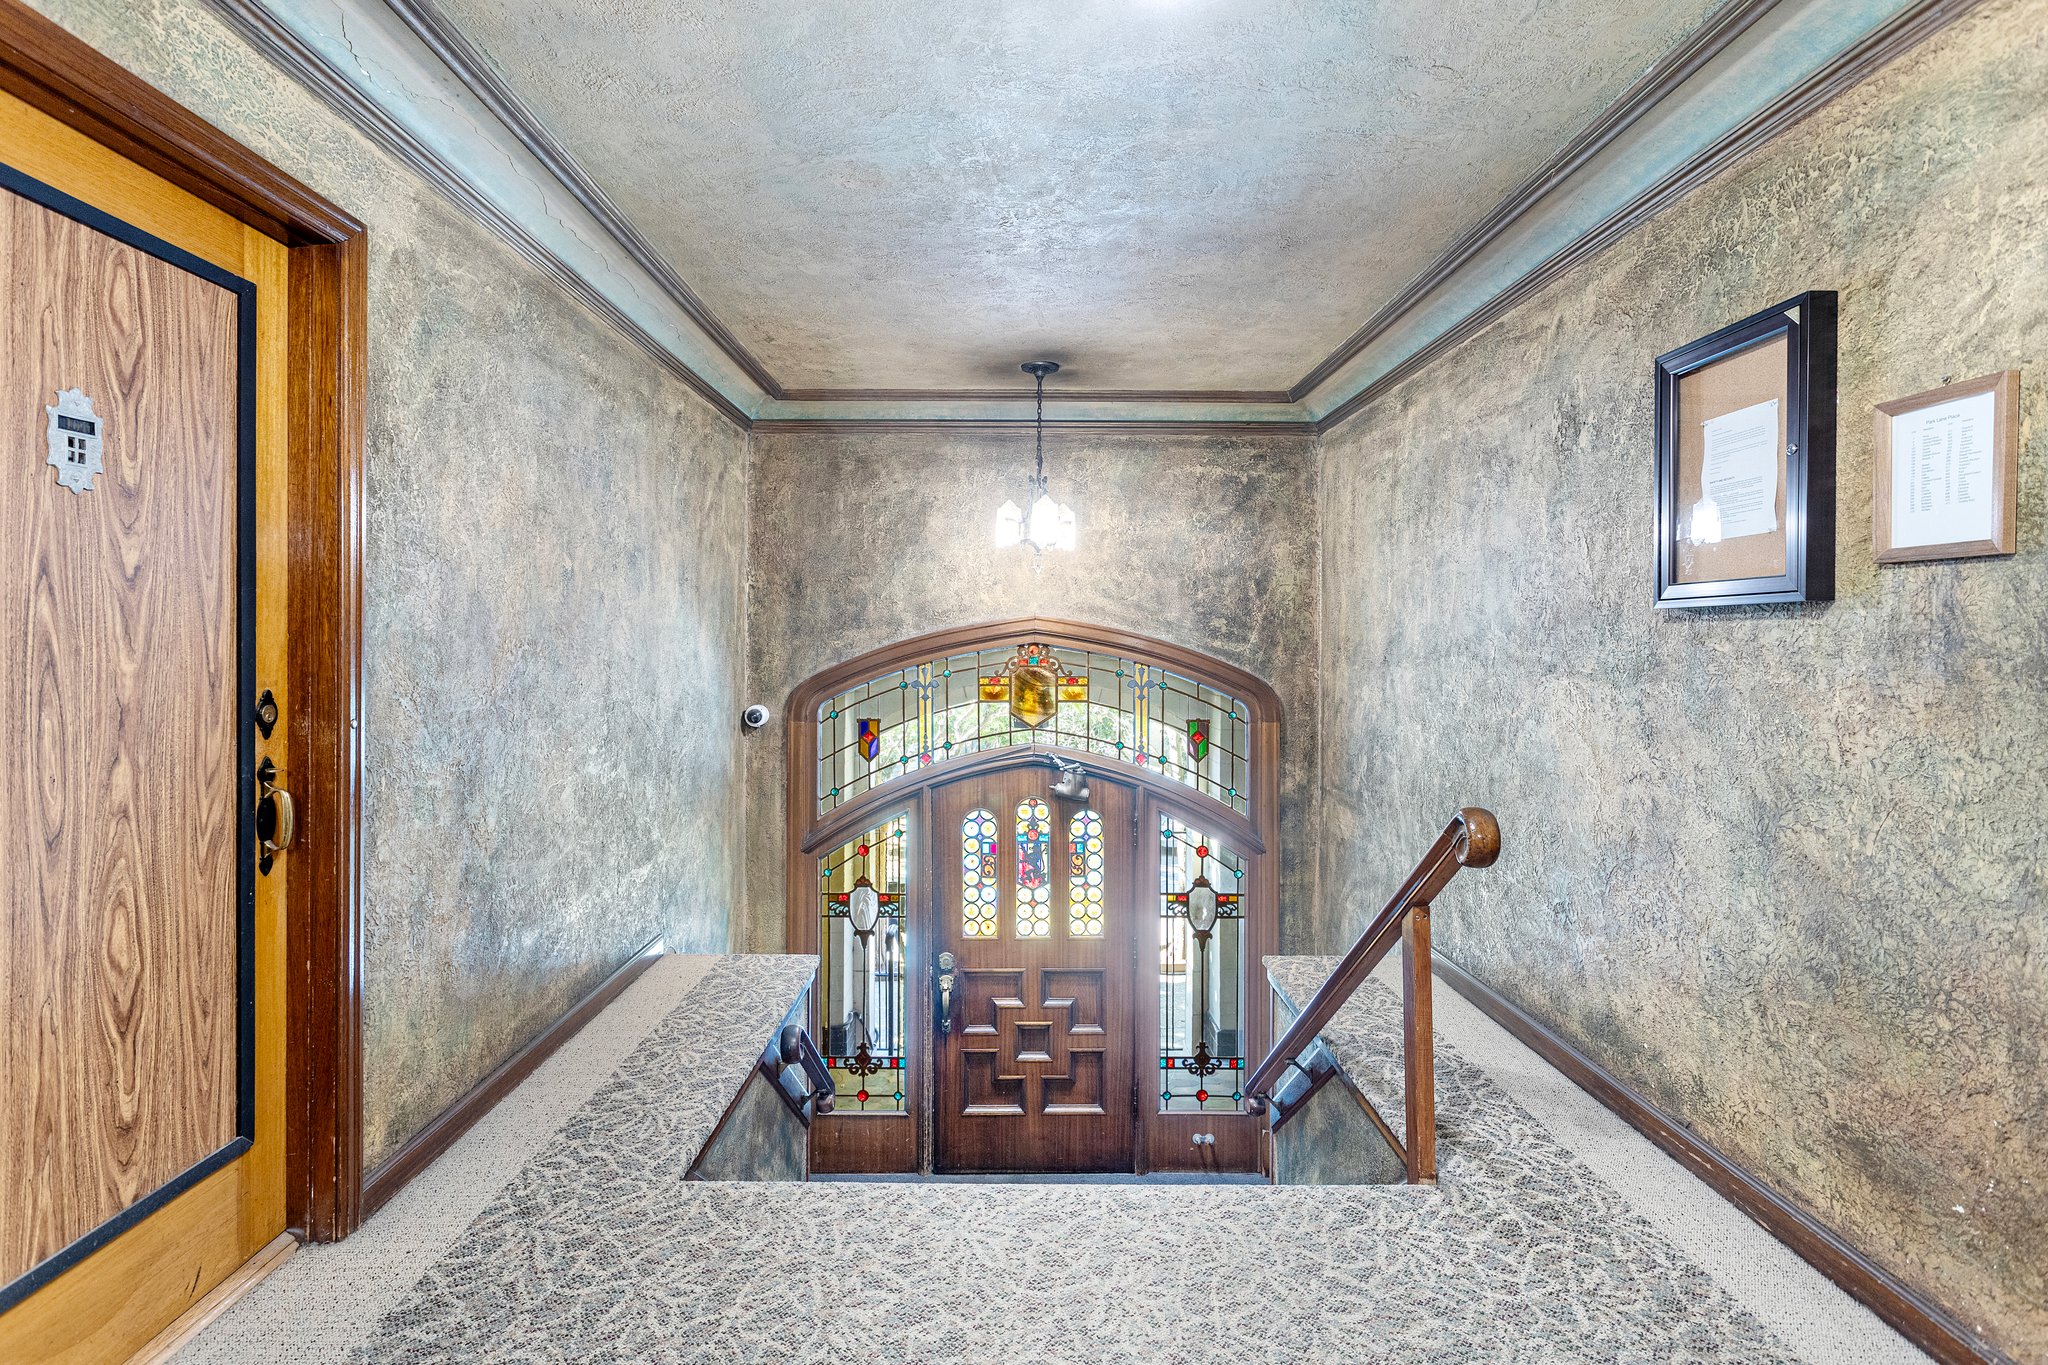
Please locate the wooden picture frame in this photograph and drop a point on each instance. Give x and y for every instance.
(1748, 413)
(1986, 499)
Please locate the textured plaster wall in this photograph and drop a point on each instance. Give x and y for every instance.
(1780, 869)
(554, 630)
(861, 540)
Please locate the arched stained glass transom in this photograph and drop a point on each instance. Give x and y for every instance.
(1110, 705)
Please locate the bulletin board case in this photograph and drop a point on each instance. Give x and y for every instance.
(1774, 372)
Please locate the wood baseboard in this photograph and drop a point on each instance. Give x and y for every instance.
(1913, 1315)
(458, 1118)
(218, 1300)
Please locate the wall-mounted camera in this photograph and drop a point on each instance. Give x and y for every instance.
(754, 717)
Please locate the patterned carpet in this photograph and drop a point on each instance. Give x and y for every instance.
(600, 1251)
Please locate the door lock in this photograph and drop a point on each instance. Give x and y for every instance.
(276, 823)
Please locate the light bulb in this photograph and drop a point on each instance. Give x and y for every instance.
(1066, 536)
(1009, 525)
(1045, 522)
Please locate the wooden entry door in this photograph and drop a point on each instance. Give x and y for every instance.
(1035, 1057)
(142, 595)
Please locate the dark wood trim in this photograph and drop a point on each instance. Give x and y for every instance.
(873, 807)
(843, 426)
(42, 64)
(458, 1118)
(1916, 1317)
(1848, 70)
(45, 66)
(323, 1067)
(1261, 397)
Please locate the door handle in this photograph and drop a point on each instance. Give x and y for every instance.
(276, 821)
(946, 964)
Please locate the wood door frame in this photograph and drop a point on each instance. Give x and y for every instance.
(46, 67)
(807, 834)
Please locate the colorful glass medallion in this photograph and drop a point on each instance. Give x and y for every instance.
(1034, 686)
(1034, 874)
(980, 883)
(870, 739)
(1198, 740)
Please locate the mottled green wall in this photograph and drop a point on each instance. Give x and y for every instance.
(1206, 541)
(1780, 869)
(556, 538)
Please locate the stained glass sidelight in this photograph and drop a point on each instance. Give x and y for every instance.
(1201, 976)
(980, 884)
(861, 992)
(1034, 869)
(1084, 876)
(1107, 705)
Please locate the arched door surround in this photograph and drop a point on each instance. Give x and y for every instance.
(1179, 753)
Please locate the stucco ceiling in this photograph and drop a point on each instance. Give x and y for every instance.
(1163, 194)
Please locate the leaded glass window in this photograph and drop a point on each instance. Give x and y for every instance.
(1107, 705)
(865, 888)
(980, 879)
(1084, 875)
(1034, 869)
(1201, 974)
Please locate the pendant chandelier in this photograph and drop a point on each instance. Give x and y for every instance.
(1049, 525)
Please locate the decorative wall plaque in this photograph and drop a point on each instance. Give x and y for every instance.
(74, 440)
(1947, 472)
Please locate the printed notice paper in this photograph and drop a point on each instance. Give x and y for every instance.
(1941, 474)
(1739, 474)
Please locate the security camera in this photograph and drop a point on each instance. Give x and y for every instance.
(754, 717)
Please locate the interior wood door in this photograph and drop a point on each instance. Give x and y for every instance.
(142, 347)
(1035, 1070)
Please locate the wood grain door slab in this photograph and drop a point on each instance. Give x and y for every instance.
(126, 653)
(1036, 1072)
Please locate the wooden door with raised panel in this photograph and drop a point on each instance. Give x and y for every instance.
(1035, 1058)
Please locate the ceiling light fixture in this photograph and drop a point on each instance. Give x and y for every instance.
(1050, 525)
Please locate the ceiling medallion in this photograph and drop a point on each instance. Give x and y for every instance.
(1049, 525)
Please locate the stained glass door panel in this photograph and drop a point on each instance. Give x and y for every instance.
(1037, 1070)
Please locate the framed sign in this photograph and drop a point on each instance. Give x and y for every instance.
(1746, 461)
(1947, 474)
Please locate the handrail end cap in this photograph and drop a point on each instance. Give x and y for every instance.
(1481, 844)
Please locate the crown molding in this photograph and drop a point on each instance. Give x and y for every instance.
(369, 69)
(1764, 75)
(401, 73)
(1236, 397)
(1676, 66)
(1023, 426)
(1913, 25)
(476, 73)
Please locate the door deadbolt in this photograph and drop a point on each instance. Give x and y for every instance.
(276, 823)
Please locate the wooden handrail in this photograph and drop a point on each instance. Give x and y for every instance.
(1472, 839)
